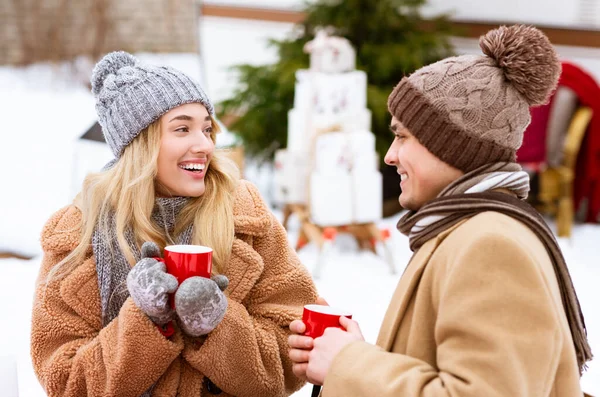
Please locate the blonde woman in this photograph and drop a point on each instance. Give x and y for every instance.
(102, 324)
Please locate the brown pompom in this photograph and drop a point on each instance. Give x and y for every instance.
(527, 58)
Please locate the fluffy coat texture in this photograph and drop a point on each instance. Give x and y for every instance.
(245, 356)
(477, 312)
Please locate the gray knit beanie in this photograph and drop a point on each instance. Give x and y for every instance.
(472, 110)
(131, 95)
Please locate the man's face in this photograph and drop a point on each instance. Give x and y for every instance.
(423, 175)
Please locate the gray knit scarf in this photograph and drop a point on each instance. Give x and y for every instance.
(472, 194)
(111, 265)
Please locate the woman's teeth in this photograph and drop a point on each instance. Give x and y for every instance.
(403, 177)
(192, 167)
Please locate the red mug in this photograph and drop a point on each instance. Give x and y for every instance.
(319, 317)
(185, 261)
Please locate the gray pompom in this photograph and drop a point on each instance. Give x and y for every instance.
(221, 280)
(150, 250)
(108, 65)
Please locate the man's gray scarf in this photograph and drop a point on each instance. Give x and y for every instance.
(111, 265)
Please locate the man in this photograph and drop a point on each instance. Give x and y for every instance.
(486, 306)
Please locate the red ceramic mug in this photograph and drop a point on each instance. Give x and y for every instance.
(319, 317)
(185, 261)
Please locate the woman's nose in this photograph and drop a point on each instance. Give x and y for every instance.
(203, 144)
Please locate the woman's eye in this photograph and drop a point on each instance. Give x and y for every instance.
(182, 129)
(208, 130)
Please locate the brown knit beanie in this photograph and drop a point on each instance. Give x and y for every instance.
(472, 110)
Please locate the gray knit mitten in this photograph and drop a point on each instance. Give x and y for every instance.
(201, 304)
(150, 285)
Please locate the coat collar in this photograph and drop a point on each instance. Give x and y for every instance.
(251, 216)
(80, 291)
(244, 268)
(406, 288)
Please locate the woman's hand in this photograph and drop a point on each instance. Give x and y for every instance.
(150, 285)
(201, 304)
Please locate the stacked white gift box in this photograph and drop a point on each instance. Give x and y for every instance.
(330, 164)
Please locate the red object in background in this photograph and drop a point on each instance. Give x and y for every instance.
(317, 318)
(301, 243)
(533, 148)
(532, 152)
(329, 233)
(587, 173)
(385, 234)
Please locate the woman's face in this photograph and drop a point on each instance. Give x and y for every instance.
(186, 149)
(423, 176)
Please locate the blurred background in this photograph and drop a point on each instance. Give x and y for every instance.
(300, 89)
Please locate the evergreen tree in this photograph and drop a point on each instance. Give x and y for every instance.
(391, 39)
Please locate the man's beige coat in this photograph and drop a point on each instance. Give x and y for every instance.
(476, 313)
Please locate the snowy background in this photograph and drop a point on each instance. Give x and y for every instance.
(46, 109)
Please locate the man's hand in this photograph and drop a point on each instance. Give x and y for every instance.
(301, 345)
(326, 347)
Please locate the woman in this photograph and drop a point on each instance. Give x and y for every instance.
(102, 324)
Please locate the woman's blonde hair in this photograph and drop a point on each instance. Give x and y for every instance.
(127, 190)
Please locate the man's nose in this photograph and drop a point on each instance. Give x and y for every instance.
(389, 158)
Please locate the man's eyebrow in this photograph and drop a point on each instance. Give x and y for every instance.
(394, 128)
(184, 117)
